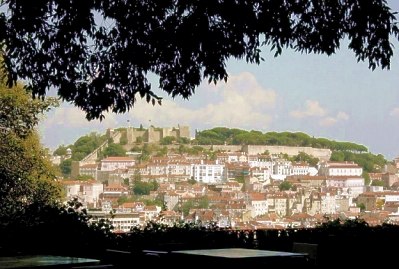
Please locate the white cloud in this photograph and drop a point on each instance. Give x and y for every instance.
(394, 112)
(65, 124)
(73, 117)
(330, 121)
(241, 103)
(312, 109)
(342, 116)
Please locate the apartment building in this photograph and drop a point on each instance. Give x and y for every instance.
(113, 163)
(340, 169)
(209, 172)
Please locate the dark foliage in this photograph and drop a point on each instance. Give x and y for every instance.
(67, 231)
(98, 54)
(183, 236)
(340, 243)
(59, 230)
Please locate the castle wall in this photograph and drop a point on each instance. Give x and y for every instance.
(169, 132)
(129, 135)
(323, 154)
(184, 131)
(153, 135)
(117, 137)
(231, 148)
(132, 135)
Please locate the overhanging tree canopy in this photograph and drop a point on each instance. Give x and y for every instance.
(98, 53)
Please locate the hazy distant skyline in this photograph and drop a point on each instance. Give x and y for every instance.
(333, 97)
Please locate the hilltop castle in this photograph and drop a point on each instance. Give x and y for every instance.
(153, 134)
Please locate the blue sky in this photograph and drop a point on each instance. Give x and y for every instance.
(333, 97)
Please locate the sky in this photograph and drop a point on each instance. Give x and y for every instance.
(334, 97)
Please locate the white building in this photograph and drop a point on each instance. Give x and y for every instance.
(232, 157)
(328, 204)
(282, 167)
(391, 196)
(168, 168)
(259, 161)
(352, 185)
(163, 169)
(257, 204)
(113, 163)
(340, 169)
(122, 222)
(89, 170)
(125, 222)
(240, 157)
(278, 203)
(207, 172)
(171, 199)
(263, 174)
(300, 169)
(151, 212)
(86, 191)
(115, 191)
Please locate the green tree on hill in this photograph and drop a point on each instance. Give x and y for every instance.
(60, 151)
(168, 140)
(366, 177)
(161, 152)
(144, 188)
(113, 150)
(66, 167)
(378, 183)
(84, 177)
(303, 157)
(83, 146)
(220, 136)
(285, 186)
(370, 162)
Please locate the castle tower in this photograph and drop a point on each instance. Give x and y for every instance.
(184, 131)
(130, 135)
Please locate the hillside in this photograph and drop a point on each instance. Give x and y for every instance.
(221, 135)
(341, 151)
